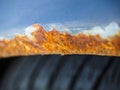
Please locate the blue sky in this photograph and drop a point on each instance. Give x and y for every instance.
(18, 13)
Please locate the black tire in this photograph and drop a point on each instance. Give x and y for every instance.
(55, 72)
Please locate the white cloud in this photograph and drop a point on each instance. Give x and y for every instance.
(105, 32)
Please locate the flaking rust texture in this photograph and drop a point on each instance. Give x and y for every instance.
(54, 42)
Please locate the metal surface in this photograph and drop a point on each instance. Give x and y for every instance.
(54, 72)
